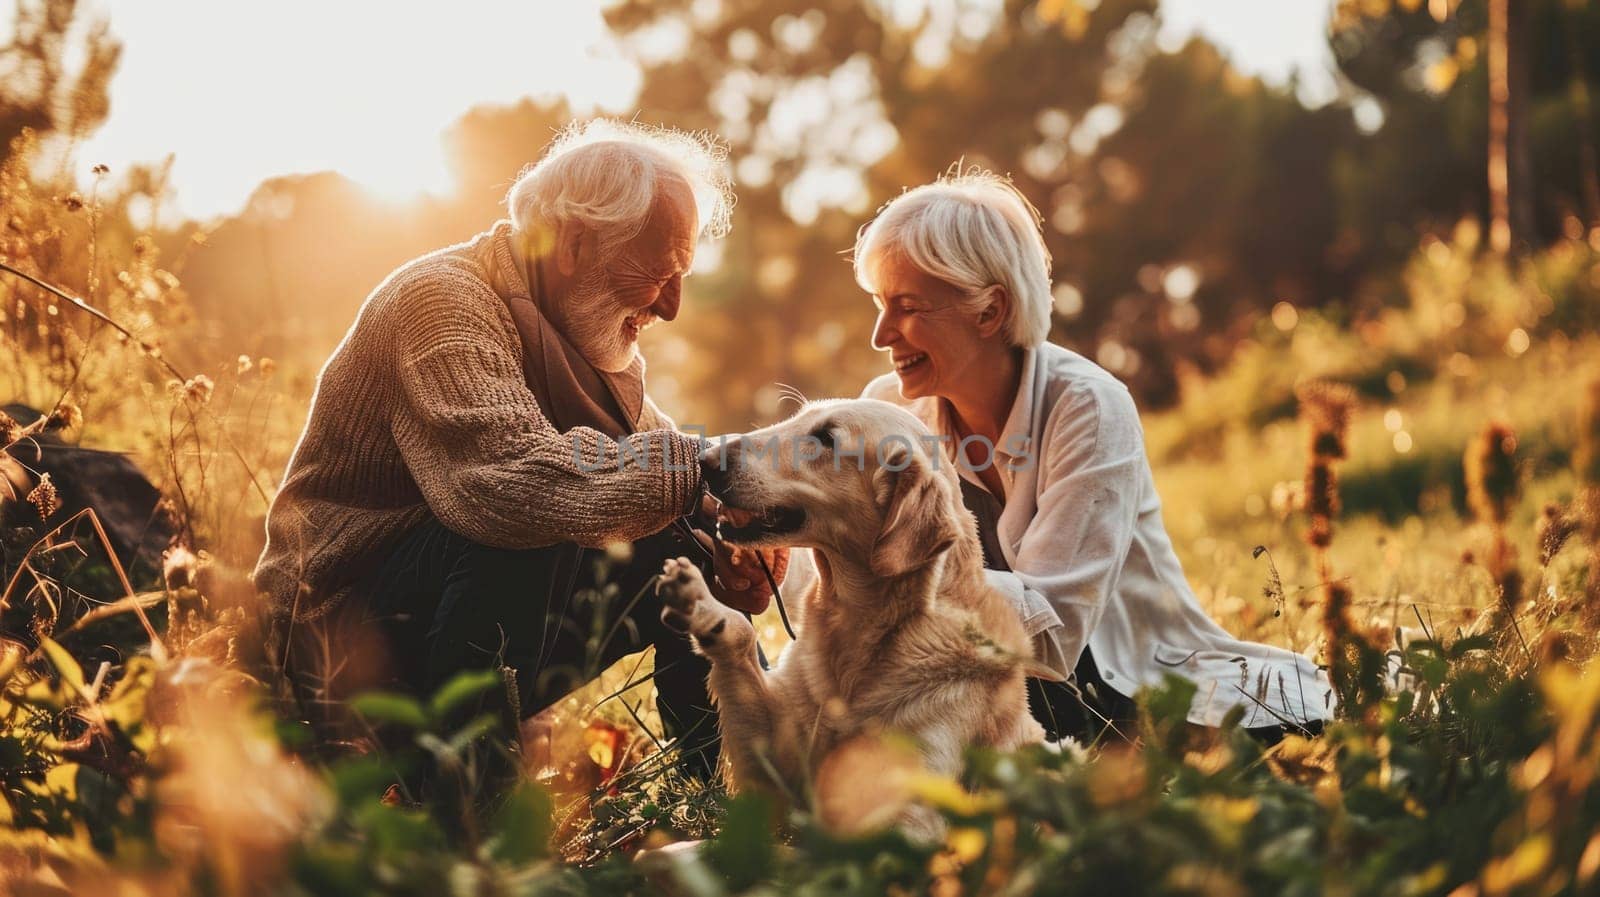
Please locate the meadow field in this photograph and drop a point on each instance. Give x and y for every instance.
(1370, 393)
(143, 753)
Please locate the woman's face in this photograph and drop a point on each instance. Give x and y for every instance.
(922, 325)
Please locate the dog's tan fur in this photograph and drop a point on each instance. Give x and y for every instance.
(900, 631)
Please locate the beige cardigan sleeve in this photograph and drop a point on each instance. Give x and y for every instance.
(487, 461)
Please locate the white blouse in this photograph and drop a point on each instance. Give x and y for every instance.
(1092, 564)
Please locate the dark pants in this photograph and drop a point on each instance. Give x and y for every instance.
(1089, 710)
(441, 604)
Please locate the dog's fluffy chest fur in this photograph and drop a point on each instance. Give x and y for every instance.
(901, 659)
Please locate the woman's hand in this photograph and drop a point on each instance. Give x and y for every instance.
(740, 581)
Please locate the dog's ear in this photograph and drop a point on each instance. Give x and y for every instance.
(917, 525)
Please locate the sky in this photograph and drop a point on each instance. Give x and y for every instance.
(1270, 38)
(244, 91)
(241, 92)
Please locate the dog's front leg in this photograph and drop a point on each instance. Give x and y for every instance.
(737, 683)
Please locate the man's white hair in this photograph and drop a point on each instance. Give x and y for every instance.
(604, 174)
(974, 230)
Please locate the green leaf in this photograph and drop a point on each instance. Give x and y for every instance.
(362, 780)
(71, 673)
(390, 707)
(745, 850)
(396, 833)
(523, 826)
(125, 705)
(475, 728)
(460, 689)
(44, 694)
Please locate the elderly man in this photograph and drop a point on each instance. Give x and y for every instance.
(482, 433)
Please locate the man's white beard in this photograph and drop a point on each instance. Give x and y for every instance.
(593, 320)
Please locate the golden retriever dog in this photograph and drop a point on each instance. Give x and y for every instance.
(899, 633)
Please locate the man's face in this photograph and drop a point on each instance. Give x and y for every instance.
(625, 289)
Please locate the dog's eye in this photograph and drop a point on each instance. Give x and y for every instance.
(823, 435)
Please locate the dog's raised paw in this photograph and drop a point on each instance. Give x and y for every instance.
(687, 605)
(681, 587)
(680, 584)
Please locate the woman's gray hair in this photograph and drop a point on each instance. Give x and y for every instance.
(604, 174)
(974, 230)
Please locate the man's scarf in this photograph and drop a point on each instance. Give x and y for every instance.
(570, 391)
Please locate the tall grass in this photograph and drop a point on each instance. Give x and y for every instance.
(146, 757)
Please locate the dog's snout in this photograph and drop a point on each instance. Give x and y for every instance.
(717, 462)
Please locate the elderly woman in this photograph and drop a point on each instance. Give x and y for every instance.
(1052, 464)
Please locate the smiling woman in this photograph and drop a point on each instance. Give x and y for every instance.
(366, 91)
(1051, 455)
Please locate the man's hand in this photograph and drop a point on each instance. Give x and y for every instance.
(740, 582)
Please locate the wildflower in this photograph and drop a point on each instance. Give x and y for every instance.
(1327, 407)
(1322, 502)
(10, 430)
(197, 389)
(1491, 474)
(72, 201)
(66, 416)
(266, 366)
(1586, 459)
(244, 365)
(100, 169)
(178, 566)
(1554, 529)
(224, 774)
(1336, 622)
(44, 497)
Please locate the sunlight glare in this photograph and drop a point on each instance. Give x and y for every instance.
(243, 92)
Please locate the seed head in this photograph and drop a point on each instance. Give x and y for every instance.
(1586, 458)
(66, 416)
(1491, 474)
(1336, 622)
(178, 566)
(197, 389)
(1326, 407)
(1554, 529)
(44, 498)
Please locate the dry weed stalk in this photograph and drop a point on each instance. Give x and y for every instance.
(1586, 460)
(1491, 475)
(1326, 408)
(1354, 666)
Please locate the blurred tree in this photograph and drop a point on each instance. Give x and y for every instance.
(285, 276)
(490, 145)
(1510, 76)
(1179, 195)
(38, 89)
(1177, 192)
(1510, 178)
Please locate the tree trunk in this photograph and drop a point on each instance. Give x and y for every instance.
(1583, 120)
(1510, 173)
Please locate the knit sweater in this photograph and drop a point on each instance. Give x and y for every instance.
(423, 410)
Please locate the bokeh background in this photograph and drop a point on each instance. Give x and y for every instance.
(1373, 223)
(1185, 197)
